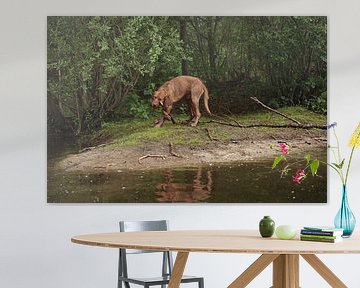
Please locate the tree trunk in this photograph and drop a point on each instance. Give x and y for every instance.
(184, 39)
(211, 46)
(55, 118)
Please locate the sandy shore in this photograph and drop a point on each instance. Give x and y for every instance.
(109, 158)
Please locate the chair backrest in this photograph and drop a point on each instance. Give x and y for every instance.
(134, 226)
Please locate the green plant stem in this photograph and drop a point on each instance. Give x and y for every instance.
(339, 155)
(334, 154)
(348, 167)
(336, 169)
(338, 145)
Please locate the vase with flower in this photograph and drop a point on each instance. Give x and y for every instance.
(344, 218)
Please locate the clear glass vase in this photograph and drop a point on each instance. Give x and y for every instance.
(345, 219)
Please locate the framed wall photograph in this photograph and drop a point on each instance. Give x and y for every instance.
(187, 109)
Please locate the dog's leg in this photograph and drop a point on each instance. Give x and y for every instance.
(195, 97)
(159, 122)
(191, 109)
(167, 107)
(169, 117)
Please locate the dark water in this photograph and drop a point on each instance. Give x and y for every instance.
(253, 182)
(60, 146)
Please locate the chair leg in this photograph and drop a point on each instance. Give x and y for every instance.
(201, 283)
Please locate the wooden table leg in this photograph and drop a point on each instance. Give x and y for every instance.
(293, 264)
(178, 270)
(253, 270)
(286, 271)
(324, 271)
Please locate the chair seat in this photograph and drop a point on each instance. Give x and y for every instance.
(158, 280)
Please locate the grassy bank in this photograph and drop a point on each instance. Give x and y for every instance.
(133, 132)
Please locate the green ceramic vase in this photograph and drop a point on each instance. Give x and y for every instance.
(266, 227)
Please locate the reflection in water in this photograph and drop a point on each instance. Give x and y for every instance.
(252, 182)
(236, 182)
(195, 190)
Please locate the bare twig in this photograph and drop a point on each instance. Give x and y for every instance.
(227, 117)
(321, 139)
(171, 151)
(94, 147)
(234, 120)
(151, 156)
(209, 135)
(275, 111)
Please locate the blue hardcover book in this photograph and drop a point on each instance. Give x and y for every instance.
(306, 231)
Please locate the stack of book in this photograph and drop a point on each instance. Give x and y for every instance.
(321, 234)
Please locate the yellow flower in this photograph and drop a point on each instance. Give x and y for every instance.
(355, 138)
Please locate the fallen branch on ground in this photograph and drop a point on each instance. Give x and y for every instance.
(321, 139)
(151, 156)
(94, 147)
(171, 151)
(300, 126)
(209, 135)
(227, 121)
(275, 111)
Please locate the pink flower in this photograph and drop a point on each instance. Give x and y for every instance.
(300, 175)
(284, 148)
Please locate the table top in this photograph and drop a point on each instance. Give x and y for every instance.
(217, 241)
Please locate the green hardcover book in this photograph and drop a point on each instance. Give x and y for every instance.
(325, 240)
(319, 236)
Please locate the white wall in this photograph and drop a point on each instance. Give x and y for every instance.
(35, 248)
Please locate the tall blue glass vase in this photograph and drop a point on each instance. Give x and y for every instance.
(345, 219)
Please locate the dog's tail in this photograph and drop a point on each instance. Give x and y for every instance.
(206, 101)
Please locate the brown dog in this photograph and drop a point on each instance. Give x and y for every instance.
(173, 90)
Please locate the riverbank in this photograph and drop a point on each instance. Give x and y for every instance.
(136, 145)
(153, 157)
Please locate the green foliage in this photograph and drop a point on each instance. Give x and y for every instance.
(138, 107)
(318, 103)
(97, 64)
(277, 160)
(94, 63)
(314, 167)
(149, 90)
